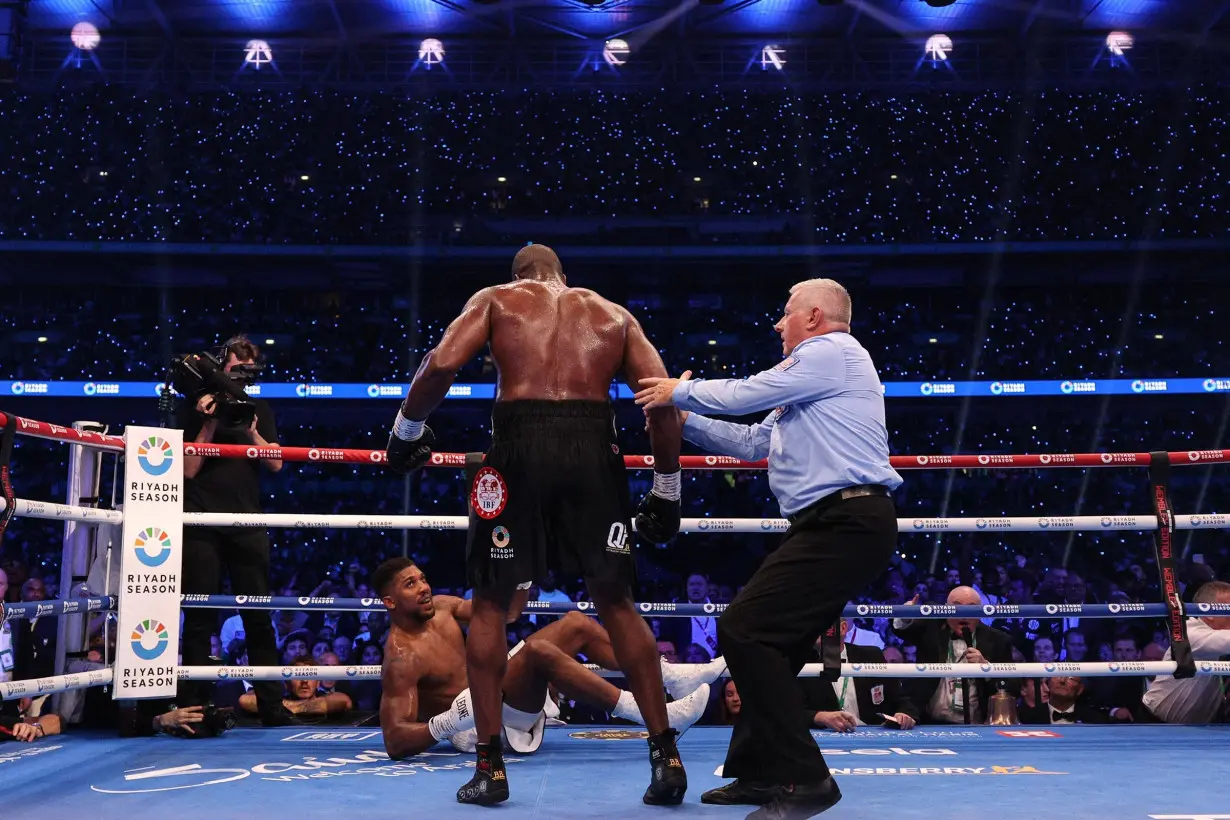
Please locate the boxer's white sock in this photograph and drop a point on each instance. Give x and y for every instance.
(680, 714)
(627, 709)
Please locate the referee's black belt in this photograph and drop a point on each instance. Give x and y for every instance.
(857, 491)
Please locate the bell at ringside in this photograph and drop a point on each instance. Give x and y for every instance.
(1003, 710)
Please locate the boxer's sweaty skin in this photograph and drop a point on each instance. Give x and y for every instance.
(438, 654)
(549, 342)
(424, 665)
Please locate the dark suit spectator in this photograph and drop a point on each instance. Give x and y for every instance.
(943, 700)
(1075, 646)
(1122, 696)
(229, 691)
(851, 702)
(1044, 650)
(34, 647)
(1065, 705)
(339, 623)
(684, 632)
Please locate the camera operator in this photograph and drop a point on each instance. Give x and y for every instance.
(228, 485)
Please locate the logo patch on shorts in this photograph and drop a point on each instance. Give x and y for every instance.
(489, 495)
(499, 536)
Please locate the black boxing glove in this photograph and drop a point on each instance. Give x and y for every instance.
(657, 518)
(410, 445)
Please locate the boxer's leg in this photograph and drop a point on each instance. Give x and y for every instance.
(487, 659)
(548, 657)
(635, 650)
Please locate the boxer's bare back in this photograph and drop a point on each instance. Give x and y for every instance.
(549, 342)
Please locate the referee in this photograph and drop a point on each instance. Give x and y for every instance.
(827, 447)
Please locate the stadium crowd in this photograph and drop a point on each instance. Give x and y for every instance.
(327, 167)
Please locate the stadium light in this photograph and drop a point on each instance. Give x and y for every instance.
(938, 47)
(615, 52)
(1118, 42)
(85, 36)
(772, 55)
(257, 53)
(431, 52)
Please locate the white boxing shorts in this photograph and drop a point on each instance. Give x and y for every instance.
(522, 731)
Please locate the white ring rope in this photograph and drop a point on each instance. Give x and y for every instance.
(811, 670)
(1085, 523)
(37, 687)
(1078, 523)
(101, 677)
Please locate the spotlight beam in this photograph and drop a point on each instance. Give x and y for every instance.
(854, 21)
(104, 12)
(159, 16)
(1032, 16)
(1215, 18)
(890, 22)
(652, 27)
(337, 18)
(725, 10)
(477, 18)
(556, 26)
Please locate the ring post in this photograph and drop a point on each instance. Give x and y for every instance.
(150, 564)
(1163, 545)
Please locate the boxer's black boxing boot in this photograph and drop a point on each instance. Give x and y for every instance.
(490, 782)
(669, 780)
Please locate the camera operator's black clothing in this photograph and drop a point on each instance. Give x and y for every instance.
(227, 485)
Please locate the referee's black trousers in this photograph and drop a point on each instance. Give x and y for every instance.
(769, 632)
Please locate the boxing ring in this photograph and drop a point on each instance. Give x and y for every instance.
(1005, 771)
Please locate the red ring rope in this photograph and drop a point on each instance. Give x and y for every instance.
(40, 429)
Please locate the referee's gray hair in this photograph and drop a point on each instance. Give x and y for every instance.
(828, 295)
(1211, 591)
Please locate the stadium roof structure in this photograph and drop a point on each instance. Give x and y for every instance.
(480, 42)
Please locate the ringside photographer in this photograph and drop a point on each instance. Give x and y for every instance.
(218, 410)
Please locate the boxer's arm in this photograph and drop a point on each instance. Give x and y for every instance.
(463, 340)
(403, 734)
(807, 375)
(641, 361)
(742, 441)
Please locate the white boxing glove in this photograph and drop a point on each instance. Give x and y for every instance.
(458, 718)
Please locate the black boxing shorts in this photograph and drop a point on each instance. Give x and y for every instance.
(552, 494)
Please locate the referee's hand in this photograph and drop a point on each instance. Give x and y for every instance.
(659, 392)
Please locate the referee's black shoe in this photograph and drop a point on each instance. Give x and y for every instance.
(739, 793)
(799, 802)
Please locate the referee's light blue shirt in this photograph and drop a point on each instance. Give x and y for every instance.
(826, 433)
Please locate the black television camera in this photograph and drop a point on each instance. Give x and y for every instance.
(200, 374)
